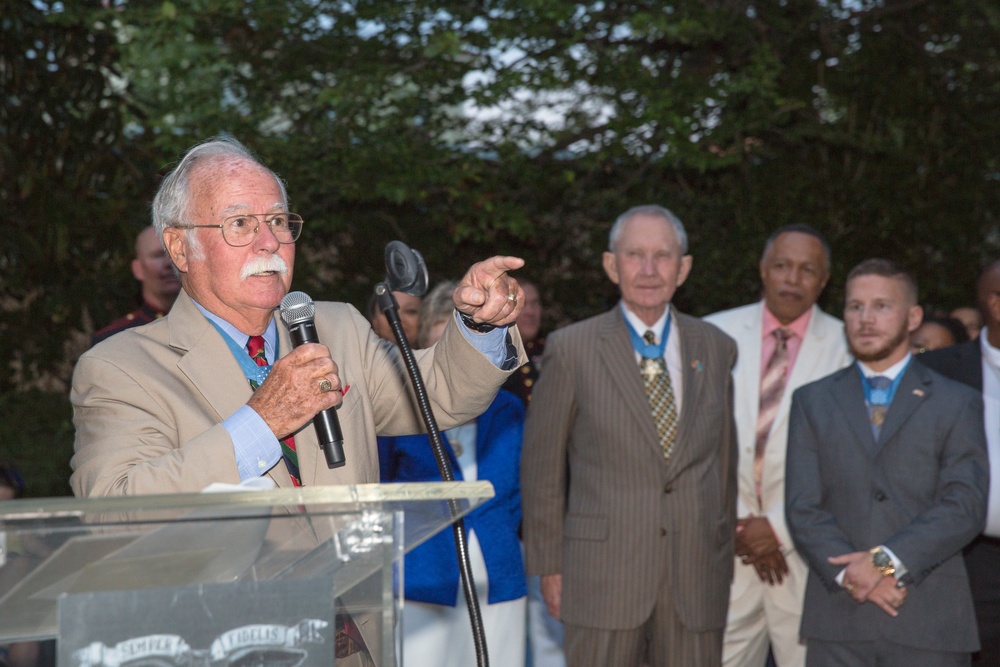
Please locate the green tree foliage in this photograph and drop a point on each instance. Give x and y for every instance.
(526, 127)
(467, 129)
(72, 189)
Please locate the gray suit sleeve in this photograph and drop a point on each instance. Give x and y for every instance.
(814, 528)
(959, 511)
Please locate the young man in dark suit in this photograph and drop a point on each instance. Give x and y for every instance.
(977, 364)
(886, 481)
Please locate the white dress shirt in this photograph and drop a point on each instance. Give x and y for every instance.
(991, 421)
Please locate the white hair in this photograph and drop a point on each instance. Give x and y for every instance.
(651, 210)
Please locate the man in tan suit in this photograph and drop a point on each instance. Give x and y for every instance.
(630, 517)
(170, 406)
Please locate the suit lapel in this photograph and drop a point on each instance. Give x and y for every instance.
(849, 396)
(970, 361)
(692, 346)
(209, 364)
(206, 360)
(619, 362)
(749, 364)
(914, 388)
(811, 354)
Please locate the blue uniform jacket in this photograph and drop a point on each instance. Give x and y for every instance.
(432, 568)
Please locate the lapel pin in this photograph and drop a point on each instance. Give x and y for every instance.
(696, 365)
(918, 392)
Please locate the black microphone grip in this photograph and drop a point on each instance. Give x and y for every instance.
(326, 422)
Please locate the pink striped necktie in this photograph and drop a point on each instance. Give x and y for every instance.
(772, 387)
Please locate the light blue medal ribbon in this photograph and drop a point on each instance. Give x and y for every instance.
(255, 374)
(645, 350)
(875, 396)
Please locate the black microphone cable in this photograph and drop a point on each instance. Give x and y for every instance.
(406, 272)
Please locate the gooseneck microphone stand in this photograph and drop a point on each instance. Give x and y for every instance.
(406, 272)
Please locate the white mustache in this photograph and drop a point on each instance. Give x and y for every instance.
(264, 265)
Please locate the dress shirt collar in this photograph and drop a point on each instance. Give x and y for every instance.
(241, 339)
(798, 327)
(991, 355)
(641, 327)
(892, 372)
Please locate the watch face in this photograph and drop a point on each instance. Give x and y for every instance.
(881, 560)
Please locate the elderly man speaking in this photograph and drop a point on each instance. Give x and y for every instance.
(214, 391)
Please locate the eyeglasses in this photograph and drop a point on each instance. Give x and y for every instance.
(240, 230)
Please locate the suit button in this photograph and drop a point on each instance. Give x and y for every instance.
(667, 488)
(663, 532)
(879, 496)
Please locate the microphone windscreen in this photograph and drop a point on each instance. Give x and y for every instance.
(296, 308)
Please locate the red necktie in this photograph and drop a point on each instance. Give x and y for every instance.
(255, 348)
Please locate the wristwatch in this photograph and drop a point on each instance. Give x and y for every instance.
(478, 327)
(882, 562)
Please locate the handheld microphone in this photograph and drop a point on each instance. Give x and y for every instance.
(298, 313)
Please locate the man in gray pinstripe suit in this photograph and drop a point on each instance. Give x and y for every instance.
(630, 519)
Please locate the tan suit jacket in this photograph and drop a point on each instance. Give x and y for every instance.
(600, 505)
(148, 403)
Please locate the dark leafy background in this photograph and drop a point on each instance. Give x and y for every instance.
(874, 122)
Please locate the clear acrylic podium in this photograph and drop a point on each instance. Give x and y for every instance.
(250, 578)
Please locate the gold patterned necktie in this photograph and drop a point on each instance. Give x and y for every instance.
(772, 387)
(660, 394)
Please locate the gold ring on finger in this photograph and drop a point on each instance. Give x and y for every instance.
(325, 385)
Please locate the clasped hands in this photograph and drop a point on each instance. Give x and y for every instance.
(307, 380)
(865, 583)
(757, 545)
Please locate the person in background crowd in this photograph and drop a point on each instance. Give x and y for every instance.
(11, 482)
(435, 618)
(886, 481)
(971, 318)
(160, 285)
(977, 364)
(629, 466)
(529, 323)
(409, 317)
(785, 341)
(935, 333)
